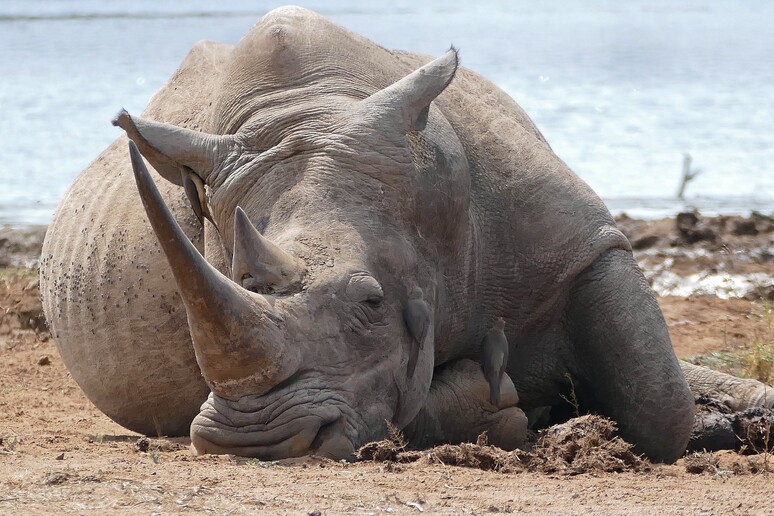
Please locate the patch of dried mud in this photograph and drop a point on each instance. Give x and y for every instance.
(716, 427)
(691, 254)
(726, 462)
(21, 247)
(20, 306)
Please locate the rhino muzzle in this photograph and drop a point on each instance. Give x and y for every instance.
(240, 342)
(276, 432)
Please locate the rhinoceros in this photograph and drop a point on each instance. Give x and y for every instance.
(334, 175)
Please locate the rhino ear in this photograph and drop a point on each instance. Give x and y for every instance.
(405, 104)
(170, 148)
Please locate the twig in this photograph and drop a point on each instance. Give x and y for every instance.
(574, 400)
(156, 424)
(688, 174)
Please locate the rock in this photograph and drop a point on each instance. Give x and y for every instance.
(691, 228)
(687, 219)
(21, 247)
(645, 242)
(142, 444)
(744, 227)
(44, 361)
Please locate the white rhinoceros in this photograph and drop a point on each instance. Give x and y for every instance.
(336, 174)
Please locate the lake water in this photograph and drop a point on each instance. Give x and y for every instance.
(620, 89)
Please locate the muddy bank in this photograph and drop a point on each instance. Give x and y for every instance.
(20, 247)
(686, 255)
(690, 254)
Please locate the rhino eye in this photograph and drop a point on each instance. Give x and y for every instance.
(364, 288)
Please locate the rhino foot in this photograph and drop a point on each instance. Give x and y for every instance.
(735, 393)
(458, 410)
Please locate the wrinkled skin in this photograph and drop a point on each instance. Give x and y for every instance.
(337, 174)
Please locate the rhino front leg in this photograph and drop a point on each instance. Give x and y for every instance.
(735, 393)
(458, 410)
(624, 366)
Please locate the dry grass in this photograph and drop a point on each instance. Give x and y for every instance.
(759, 357)
(701, 462)
(752, 357)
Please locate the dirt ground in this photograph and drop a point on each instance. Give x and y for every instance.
(60, 454)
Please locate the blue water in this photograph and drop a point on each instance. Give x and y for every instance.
(620, 89)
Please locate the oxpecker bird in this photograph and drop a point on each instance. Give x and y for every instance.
(416, 314)
(194, 190)
(494, 358)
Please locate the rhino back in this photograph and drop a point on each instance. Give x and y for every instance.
(108, 294)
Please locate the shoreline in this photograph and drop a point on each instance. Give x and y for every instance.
(689, 254)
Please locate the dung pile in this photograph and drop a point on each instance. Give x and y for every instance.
(582, 445)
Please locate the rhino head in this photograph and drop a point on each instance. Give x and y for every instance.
(329, 196)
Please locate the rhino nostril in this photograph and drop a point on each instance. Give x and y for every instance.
(332, 442)
(252, 284)
(320, 437)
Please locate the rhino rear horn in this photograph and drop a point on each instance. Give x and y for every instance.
(257, 262)
(406, 103)
(169, 147)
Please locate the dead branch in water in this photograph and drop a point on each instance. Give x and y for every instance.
(688, 174)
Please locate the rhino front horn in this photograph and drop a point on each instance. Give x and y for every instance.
(238, 340)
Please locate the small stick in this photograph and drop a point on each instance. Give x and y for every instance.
(688, 174)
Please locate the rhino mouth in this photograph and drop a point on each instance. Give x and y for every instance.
(280, 430)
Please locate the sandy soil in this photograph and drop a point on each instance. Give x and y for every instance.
(60, 454)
